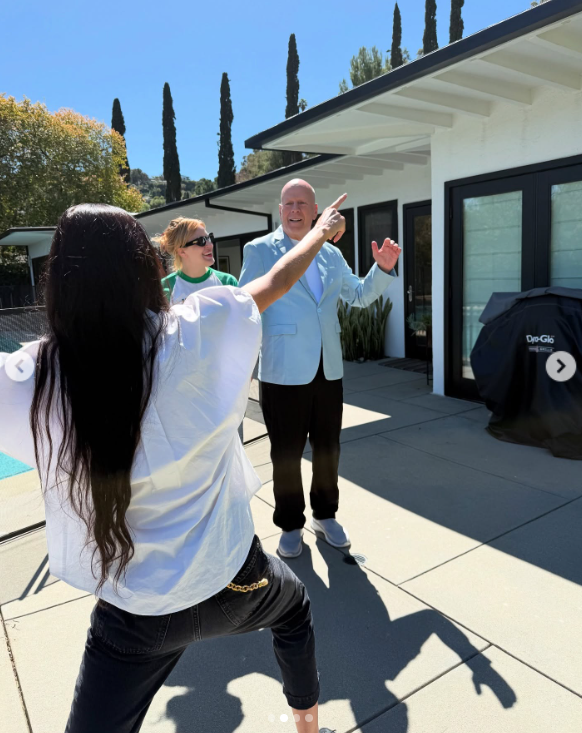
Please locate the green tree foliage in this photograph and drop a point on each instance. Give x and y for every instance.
(50, 161)
(204, 185)
(429, 39)
(457, 26)
(118, 124)
(292, 107)
(14, 267)
(153, 189)
(365, 66)
(226, 166)
(258, 163)
(171, 160)
(396, 58)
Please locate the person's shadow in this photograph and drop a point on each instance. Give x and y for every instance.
(359, 649)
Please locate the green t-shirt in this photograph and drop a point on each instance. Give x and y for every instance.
(178, 286)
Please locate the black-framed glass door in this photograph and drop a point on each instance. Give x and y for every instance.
(507, 234)
(418, 278)
(375, 222)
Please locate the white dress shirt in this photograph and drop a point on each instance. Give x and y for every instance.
(313, 277)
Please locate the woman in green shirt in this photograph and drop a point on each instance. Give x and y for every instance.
(192, 249)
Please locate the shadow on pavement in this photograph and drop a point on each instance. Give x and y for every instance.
(359, 649)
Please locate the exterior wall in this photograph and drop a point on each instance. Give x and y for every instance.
(407, 186)
(510, 138)
(39, 249)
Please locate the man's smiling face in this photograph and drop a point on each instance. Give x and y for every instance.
(297, 208)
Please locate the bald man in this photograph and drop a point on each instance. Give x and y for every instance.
(301, 367)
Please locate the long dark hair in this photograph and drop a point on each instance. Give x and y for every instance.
(95, 368)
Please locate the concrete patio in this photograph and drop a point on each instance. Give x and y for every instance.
(464, 617)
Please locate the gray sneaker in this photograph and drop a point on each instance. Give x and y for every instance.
(331, 531)
(326, 730)
(291, 543)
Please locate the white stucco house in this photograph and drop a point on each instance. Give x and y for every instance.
(470, 157)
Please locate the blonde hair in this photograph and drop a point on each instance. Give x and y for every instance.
(176, 234)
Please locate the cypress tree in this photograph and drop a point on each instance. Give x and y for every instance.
(429, 39)
(171, 160)
(396, 52)
(292, 108)
(457, 26)
(118, 124)
(226, 167)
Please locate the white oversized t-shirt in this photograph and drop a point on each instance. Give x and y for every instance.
(191, 480)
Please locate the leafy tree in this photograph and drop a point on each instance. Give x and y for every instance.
(118, 124)
(226, 166)
(139, 177)
(457, 26)
(396, 58)
(204, 185)
(14, 267)
(292, 107)
(258, 163)
(171, 160)
(157, 201)
(429, 39)
(535, 4)
(50, 161)
(367, 65)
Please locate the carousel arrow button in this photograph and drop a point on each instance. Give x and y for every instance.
(561, 366)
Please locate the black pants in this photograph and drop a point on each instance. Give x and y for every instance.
(292, 413)
(128, 657)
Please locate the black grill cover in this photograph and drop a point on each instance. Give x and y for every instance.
(529, 406)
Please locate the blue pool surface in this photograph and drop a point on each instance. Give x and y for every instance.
(11, 467)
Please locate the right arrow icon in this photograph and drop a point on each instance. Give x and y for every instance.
(561, 366)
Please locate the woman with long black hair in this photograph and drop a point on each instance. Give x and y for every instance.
(129, 410)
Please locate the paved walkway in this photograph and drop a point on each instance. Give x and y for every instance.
(465, 616)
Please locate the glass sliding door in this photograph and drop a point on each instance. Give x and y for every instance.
(507, 233)
(491, 252)
(560, 227)
(566, 235)
(492, 237)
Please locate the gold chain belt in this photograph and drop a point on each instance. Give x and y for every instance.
(246, 588)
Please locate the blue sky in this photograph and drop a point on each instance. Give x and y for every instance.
(83, 55)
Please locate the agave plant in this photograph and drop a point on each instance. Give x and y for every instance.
(362, 335)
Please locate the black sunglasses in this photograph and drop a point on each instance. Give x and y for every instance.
(201, 241)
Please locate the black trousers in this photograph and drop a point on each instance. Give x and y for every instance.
(128, 657)
(292, 413)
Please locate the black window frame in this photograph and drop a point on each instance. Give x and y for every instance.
(362, 251)
(349, 215)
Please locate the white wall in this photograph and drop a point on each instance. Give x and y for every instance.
(39, 249)
(512, 137)
(407, 186)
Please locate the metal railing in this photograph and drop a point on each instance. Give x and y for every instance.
(19, 326)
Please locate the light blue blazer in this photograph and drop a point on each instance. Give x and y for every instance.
(296, 327)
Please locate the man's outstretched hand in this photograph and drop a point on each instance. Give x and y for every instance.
(387, 255)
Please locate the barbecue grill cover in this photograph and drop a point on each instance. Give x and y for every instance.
(521, 331)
